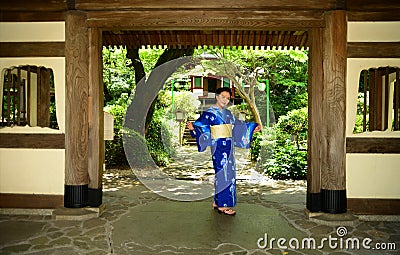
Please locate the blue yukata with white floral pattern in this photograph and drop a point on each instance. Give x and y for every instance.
(222, 150)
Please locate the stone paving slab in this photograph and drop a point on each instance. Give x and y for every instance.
(195, 225)
(14, 231)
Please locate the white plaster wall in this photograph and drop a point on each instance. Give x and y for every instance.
(370, 175)
(34, 171)
(373, 175)
(32, 31)
(383, 31)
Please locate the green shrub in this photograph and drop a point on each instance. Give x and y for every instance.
(294, 126)
(158, 141)
(263, 143)
(359, 126)
(287, 163)
(136, 148)
(281, 151)
(159, 137)
(255, 146)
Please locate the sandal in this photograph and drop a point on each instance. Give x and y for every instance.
(215, 206)
(227, 211)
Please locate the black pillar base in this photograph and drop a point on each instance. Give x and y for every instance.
(75, 196)
(95, 197)
(333, 201)
(313, 202)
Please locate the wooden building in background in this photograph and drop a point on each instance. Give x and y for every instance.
(41, 167)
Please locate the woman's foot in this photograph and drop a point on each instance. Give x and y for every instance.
(226, 210)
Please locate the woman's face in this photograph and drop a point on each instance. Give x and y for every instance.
(223, 99)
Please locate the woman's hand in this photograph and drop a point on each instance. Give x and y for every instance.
(258, 128)
(190, 125)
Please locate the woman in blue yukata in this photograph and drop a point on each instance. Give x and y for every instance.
(217, 127)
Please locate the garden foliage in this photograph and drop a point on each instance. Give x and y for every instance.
(280, 150)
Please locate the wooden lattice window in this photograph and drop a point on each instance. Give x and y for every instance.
(379, 92)
(28, 97)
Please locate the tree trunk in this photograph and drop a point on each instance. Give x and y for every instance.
(251, 104)
(140, 74)
(168, 55)
(133, 55)
(231, 71)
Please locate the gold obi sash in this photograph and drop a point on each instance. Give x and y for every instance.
(221, 131)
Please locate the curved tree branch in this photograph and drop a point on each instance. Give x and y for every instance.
(168, 55)
(235, 74)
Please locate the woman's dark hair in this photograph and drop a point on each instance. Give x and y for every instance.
(220, 90)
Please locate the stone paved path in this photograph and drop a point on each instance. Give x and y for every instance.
(138, 221)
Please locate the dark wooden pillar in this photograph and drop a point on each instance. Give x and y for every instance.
(43, 97)
(76, 109)
(315, 89)
(96, 119)
(333, 149)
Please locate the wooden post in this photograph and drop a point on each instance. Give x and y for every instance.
(372, 99)
(379, 100)
(43, 98)
(96, 119)
(28, 101)
(18, 95)
(9, 84)
(386, 109)
(315, 89)
(76, 109)
(396, 101)
(333, 143)
(365, 100)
